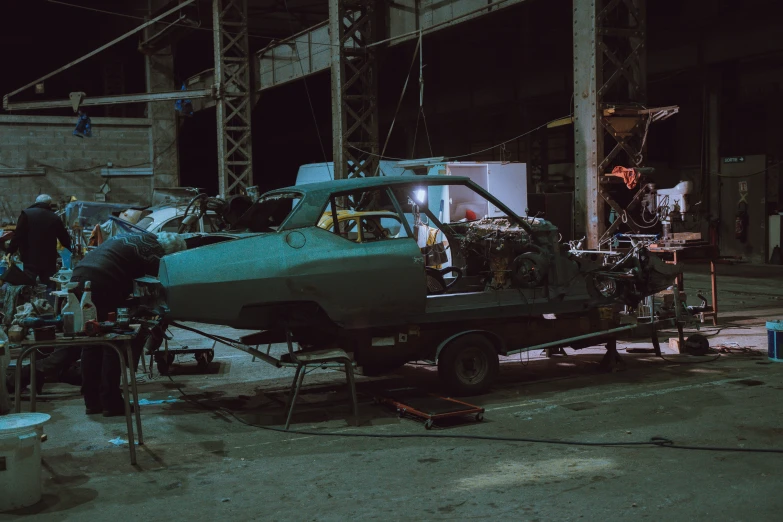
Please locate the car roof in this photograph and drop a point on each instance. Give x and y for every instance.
(371, 182)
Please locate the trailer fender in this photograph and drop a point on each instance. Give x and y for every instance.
(494, 338)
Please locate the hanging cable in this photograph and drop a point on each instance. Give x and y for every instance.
(272, 39)
(399, 102)
(421, 93)
(427, 132)
(415, 134)
(309, 98)
(661, 442)
(471, 153)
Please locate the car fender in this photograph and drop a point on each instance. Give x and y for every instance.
(496, 340)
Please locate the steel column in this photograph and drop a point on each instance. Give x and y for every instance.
(713, 105)
(234, 90)
(588, 136)
(354, 88)
(610, 72)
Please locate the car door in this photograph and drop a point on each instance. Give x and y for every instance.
(358, 283)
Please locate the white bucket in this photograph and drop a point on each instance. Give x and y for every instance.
(20, 459)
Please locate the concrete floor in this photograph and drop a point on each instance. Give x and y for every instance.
(204, 463)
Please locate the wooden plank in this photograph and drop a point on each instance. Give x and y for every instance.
(686, 236)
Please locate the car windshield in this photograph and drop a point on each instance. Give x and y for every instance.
(269, 212)
(456, 202)
(145, 222)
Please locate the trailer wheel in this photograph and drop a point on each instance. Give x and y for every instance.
(468, 365)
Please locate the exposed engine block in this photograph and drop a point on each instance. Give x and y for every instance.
(509, 257)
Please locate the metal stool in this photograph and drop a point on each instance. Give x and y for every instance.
(325, 359)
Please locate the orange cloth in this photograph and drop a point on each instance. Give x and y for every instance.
(630, 176)
(96, 236)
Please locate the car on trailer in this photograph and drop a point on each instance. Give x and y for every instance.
(417, 268)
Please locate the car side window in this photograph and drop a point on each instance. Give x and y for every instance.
(172, 225)
(350, 229)
(363, 217)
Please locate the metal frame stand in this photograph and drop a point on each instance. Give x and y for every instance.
(352, 27)
(611, 360)
(321, 359)
(234, 92)
(31, 349)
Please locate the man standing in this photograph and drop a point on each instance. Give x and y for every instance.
(37, 232)
(111, 269)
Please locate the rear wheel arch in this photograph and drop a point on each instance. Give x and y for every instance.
(492, 337)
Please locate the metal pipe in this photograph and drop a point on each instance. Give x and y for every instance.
(233, 344)
(109, 100)
(561, 342)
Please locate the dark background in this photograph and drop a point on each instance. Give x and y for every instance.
(519, 47)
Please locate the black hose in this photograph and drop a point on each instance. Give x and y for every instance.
(662, 442)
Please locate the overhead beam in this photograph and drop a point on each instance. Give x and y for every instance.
(307, 53)
(295, 57)
(109, 100)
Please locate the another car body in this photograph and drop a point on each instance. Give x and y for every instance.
(364, 226)
(168, 218)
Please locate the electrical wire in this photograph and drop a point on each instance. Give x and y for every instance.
(654, 441)
(320, 140)
(102, 165)
(661, 442)
(677, 361)
(402, 96)
(751, 175)
(309, 98)
(448, 158)
(143, 19)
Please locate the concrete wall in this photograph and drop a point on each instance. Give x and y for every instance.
(73, 165)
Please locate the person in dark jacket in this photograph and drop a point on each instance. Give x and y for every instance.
(37, 232)
(111, 269)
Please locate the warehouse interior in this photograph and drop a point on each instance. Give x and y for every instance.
(590, 193)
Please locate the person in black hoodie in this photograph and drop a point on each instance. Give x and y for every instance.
(37, 232)
(111, 269)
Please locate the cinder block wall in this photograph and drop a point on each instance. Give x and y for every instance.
(73, 165)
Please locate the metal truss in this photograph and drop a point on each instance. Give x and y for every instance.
(354, 88)
(621, 44)
(234, 95)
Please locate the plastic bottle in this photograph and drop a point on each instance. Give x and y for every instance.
(73, 306)
(89, 312)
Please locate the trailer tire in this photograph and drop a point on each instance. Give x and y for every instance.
(468, 365)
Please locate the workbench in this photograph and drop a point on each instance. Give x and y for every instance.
(699, 252)
(120, 343)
